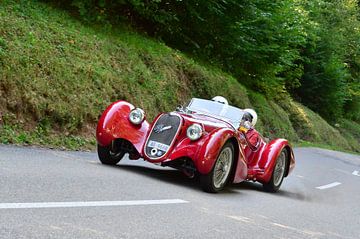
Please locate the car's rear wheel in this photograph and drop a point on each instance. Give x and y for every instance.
(219, 176)
(109, 156)
(278, 174)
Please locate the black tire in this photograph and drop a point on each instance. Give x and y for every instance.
(207, 181)
(106, 156)
(277, 176)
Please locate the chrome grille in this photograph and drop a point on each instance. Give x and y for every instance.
(162, 135)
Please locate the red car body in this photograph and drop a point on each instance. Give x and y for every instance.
(257, 165)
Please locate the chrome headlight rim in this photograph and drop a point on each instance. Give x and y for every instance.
(136, 116)
(194, 132)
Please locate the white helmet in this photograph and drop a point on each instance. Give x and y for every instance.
(220, 99)
(253, 115)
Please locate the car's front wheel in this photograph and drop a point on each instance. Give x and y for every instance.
(218, 177)
(278, 173)
(107, 156)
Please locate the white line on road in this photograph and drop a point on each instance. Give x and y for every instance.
(331, 185)
(316, 234)
(356, 173)
(88, 204)
(241, 219)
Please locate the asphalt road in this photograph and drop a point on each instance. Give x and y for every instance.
(321, 199)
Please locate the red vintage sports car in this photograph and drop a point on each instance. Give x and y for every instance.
(205, 138)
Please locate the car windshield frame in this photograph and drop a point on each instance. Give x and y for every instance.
(228, 113)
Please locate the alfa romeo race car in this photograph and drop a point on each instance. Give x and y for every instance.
(203, 138)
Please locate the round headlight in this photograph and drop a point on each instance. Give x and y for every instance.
(136, 116)
(194, 131)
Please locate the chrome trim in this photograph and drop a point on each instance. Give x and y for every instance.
(172, 142)
(142, 118)
(162, 128)
(195, 125)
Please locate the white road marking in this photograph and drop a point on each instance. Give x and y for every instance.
(298, 230)
(331, 185)
(262, 216)
(284, 226)
(356, 173)
(241, 219)
(88, 204)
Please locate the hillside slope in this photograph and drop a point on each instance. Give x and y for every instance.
(57, 75)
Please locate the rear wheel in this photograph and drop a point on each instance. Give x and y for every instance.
(278, 173)
(218, 177)
(109, 156)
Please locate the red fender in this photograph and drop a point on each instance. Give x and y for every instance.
(206, 156)
(185, 148)
(268, 158)
(114, 124)
(241, 170)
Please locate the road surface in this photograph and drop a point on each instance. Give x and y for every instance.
(59, 194)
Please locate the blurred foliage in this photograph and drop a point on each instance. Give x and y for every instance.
(330, 84)
(351, 131)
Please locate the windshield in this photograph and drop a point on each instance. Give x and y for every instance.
(226, 112)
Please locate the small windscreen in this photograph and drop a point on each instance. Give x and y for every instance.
(227, 112)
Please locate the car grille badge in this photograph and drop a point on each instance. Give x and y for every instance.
(160, 128)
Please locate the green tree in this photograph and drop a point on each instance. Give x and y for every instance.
(332, 45)
(308, 47)
(256, 40)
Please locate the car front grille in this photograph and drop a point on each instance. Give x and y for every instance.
(162, 135)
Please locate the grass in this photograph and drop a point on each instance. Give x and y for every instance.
(311, 127)
(273, 120)
(41, 135)
(351, 132)
(57, 75)
(57, 68)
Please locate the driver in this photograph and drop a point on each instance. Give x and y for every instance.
(248, 122)
(220, 99)
(223, 101)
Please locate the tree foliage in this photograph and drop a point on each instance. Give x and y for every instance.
(309, 48)
(331, 58)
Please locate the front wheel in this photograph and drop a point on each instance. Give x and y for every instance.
(218, 177)
(107, 156)
(278, 173)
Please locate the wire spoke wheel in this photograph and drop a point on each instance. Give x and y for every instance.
(218, 177)
(279, 171)
(279, 168)
(222, 167)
